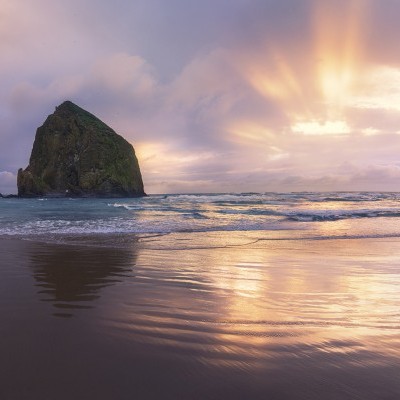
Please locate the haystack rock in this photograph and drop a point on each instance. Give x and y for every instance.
(77, 155)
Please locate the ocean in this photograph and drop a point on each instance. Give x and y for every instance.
(299, 215)
(211, 296)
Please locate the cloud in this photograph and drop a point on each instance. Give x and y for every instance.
(271, 95)
(379, 89)
(317, 128)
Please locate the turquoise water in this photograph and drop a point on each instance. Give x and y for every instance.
(318, 215)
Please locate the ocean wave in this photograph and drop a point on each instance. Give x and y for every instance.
(340, 215)
(197, 213)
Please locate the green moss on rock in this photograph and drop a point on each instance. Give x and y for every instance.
(76, 154)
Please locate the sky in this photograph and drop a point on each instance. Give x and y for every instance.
(214, 95)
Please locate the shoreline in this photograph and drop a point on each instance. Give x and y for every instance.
(229, 238)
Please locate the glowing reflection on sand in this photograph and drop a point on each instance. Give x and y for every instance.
(226, 302)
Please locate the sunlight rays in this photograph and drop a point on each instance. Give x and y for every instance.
(314, 92)
(337, 48)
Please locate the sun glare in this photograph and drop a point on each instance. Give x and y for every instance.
(338, 52)
(318, 128)
(314, 92)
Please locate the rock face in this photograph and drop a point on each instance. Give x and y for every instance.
(76, 154)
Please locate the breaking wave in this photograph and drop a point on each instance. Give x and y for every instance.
(304, 212)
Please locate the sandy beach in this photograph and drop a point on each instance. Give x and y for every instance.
(200, 316)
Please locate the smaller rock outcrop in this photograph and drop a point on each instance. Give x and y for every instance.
(76, 154)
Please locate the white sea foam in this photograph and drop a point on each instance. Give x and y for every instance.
(307, 212)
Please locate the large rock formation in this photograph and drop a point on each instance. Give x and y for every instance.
(76, 154)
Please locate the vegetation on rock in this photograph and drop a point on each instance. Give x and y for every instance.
(76, 154)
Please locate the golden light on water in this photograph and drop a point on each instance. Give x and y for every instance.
(276, 292)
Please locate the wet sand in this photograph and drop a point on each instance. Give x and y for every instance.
(196, 316)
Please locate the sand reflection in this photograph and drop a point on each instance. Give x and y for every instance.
(201, 310)
(73, 277)
(246, 304)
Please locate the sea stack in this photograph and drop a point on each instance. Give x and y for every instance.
(77, 155)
